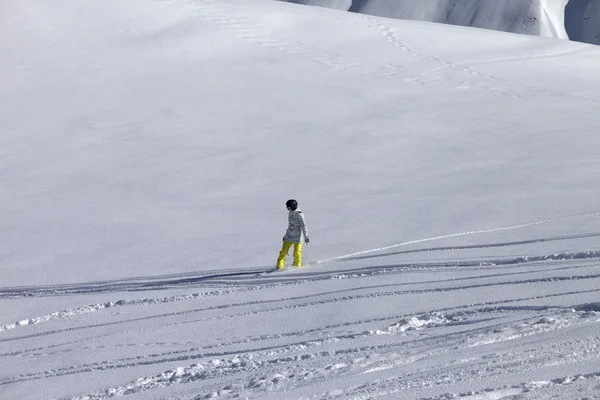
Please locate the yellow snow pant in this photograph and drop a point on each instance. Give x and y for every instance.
(284, 252)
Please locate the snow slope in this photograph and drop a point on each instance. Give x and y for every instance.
(146, 152)
(337, 4)
(578, 20)
(538, 17)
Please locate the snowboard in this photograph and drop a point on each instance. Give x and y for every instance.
(292, 268)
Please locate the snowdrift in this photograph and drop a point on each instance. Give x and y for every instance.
(577, 20)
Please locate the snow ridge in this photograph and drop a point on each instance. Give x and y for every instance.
(578, 20)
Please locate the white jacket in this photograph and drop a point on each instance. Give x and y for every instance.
(296, 231)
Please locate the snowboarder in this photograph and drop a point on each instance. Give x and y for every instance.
(296, 235)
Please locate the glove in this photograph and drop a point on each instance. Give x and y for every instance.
(307, 240)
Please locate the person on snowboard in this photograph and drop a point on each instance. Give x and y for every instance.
(295, 235)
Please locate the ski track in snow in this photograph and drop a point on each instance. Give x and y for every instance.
(406, 323)
(534, 92)
(242, 27)
(292, 362)
(230, 19)
(69, 313)
(214, 276)
(460, 234)
(262, 363)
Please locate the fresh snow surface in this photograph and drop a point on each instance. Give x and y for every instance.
(449, 178)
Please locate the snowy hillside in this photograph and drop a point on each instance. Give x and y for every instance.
(336, 4)
(577, 20)
(449, 178)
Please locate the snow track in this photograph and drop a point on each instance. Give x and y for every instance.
(232, 20)
(428, 342)
(303, 279)
(365, 356)
(257, 370)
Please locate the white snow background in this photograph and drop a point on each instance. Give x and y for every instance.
(449, 177)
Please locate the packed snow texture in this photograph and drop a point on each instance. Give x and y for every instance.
(577, 20)
(449, 178)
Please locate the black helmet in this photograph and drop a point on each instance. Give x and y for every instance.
(291, 204)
